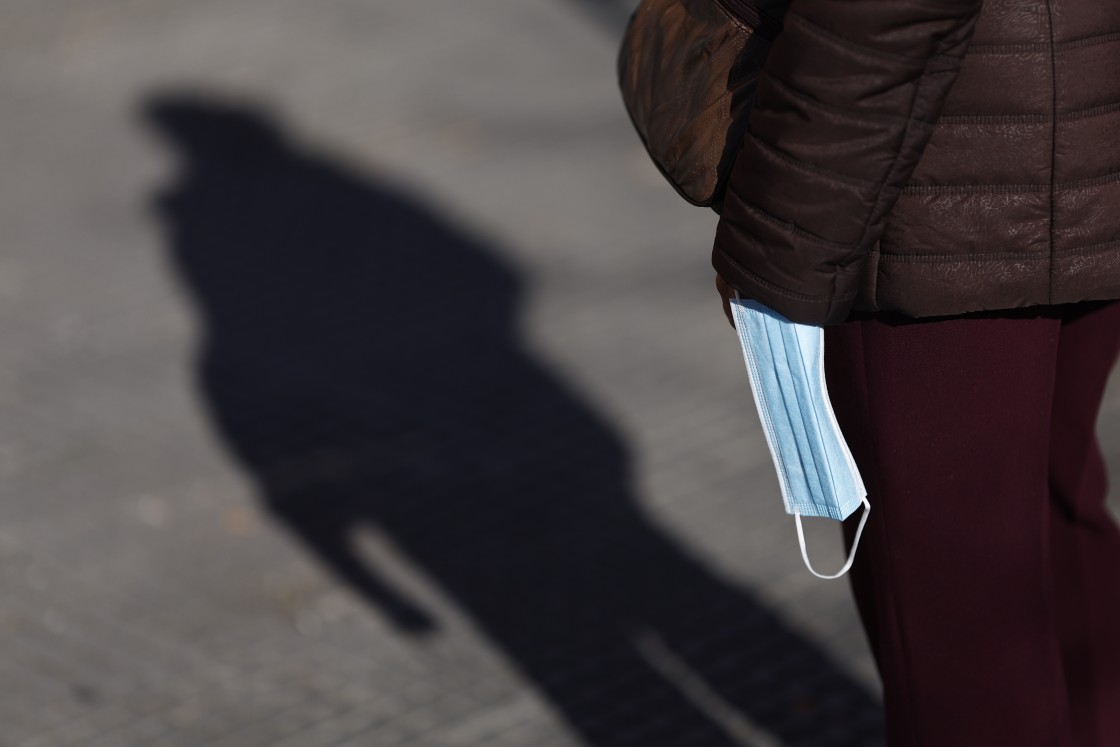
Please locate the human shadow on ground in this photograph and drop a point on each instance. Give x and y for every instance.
(361, 359)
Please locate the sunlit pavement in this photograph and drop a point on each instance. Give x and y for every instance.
(363, 384)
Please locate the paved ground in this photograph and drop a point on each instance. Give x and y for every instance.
(362, 384)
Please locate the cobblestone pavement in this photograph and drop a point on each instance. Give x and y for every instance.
(363, 384)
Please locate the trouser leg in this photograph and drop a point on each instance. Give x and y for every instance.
(949, 423)
(1085, 541)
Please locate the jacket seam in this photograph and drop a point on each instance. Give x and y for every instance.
(901, 258)
(981, 257)
(814, 168)
(777, 288)
(938, 4)
(1044, 47)
(1092, 181)
(794, 228)
(1088, 248)
(1087, 41)
(825, 106)
(940, 189)
(972, 119)
(1091, 111)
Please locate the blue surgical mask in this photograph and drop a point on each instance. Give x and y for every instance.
(816, 471)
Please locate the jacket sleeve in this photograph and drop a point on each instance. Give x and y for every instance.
(844, 107)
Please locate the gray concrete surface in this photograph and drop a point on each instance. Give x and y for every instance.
(246, 247)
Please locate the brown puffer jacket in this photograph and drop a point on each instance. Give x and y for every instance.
(930, 157)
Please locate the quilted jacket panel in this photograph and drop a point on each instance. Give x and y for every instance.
(930, 157)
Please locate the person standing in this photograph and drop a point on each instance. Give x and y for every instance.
(937, 183)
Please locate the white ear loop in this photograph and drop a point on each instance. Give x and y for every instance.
(851, 555)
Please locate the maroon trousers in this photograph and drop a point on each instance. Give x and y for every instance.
(988, 575)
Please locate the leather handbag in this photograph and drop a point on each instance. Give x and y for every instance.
(688, 70)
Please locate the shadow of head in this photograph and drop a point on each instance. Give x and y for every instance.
(256, 216)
